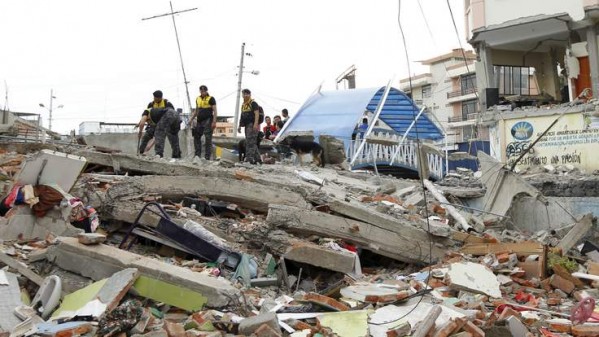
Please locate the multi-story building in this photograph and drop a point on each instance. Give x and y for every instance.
(554, 40)
(537, 53)
(448, 92)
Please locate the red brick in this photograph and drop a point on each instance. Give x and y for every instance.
(326, 301)
(585, 330)
(473, 329)
(561, 283)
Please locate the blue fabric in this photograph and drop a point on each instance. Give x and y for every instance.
(336, 113)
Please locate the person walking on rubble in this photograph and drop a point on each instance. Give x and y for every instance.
(161, 121)
(205, 123)
(250, 116)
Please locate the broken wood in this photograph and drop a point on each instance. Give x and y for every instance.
(403, 243)
(455, 214)
(580, 229)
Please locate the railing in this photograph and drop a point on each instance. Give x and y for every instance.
(460, 118)
(461, 92)
(380, 148)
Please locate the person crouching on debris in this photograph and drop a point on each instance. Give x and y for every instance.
(162, 121)
(250, 115)
(83, 217)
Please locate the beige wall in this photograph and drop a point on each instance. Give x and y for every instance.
(500, 11)
(573, 140)
(544, 68)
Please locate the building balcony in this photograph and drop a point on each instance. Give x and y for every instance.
(461, 93)
(461, 118)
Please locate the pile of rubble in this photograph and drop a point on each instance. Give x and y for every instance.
(206, 249)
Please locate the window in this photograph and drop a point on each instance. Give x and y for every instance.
(513, 80)
(468, 108)
(427, 90)
(468, 83)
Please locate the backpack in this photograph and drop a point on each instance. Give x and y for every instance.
(261, 115)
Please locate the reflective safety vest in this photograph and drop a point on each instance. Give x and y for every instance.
(203, 102)
(161, 104)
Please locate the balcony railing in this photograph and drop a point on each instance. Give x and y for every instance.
(460, 118)
(461, 92)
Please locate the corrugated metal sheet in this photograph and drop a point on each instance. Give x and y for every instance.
(336, 113)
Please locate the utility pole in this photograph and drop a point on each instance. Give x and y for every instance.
(236, 120)
(172, 14)
(49, 108)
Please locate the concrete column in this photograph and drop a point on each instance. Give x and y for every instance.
(593, 58)
(485, 76)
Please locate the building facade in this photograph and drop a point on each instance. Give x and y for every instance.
(537, 53)
(448, 91)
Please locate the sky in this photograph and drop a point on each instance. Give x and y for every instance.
(102, 61)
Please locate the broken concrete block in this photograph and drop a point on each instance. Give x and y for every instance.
(155, 333)
(249, 325)
(428, 323)
(517, 328)
(416, 199)
(318, 256)
(97, 298)
(374, 293)
(107, 260)
(266, 330)
(91, 238)
(174, 329)
(473, 277)
(405, 191)
(51, 167)
(10, 298)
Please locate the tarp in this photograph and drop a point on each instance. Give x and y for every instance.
(337, 113)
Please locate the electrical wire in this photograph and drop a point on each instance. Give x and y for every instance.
(428, 225)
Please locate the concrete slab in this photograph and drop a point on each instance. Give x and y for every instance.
(51, 167)
(10, 298)
(25, 226)
(321, 257)
(473, 277)
(106, 260)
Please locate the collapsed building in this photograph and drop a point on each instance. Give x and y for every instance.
(217, 248)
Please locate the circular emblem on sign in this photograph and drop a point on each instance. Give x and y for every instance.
(522, 130)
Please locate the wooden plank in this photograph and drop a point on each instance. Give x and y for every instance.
(23, 270)
(455, 214)
(582, 227)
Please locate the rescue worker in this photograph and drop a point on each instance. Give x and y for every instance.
(250, 115)
(162, 121)
(205, 123)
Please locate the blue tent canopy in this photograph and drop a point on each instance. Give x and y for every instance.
(336, 113)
